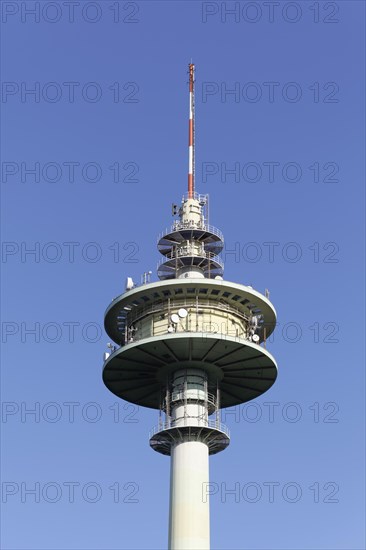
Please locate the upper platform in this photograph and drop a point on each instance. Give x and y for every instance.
(185, 257)
(180, 232)
(212, 305)
(191, 245)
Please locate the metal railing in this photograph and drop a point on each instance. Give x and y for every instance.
(176, 255)
(178, 226)
(215, 424)
(192, 394)
(196, 196)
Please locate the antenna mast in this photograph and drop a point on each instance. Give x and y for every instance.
(191, 133)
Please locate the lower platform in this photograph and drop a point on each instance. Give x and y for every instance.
(215, 435)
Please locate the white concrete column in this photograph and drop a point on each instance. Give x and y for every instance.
(189, 518)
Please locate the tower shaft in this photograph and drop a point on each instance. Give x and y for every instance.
(189, 437)
(189, 518)
(189, 526)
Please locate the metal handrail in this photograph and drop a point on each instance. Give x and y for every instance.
(196, 196)
(178, 225)
(215, 424)
(204, 254)
(179, 395)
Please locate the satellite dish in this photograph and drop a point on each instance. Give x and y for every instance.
(219, 278)
(174, 318)
(182, 313)
(255, 338)
(129, 283)
(170, 328)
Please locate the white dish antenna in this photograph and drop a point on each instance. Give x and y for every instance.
(182, 313)
(174, 318)
(255, 338)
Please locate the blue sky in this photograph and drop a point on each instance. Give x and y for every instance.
(105, 132)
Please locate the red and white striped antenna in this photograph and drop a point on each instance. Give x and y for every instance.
(191, 133)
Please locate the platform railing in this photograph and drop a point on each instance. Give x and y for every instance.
(182, 253)
(168, 424)
(178, 226)
(193, 395)
(196, 196)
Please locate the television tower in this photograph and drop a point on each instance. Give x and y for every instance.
(189, 345)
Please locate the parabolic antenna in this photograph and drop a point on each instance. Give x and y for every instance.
(182, 313)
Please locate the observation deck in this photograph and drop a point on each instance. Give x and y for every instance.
(214, 336)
